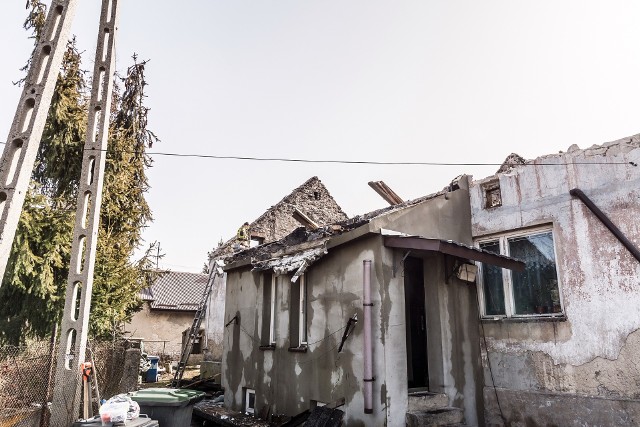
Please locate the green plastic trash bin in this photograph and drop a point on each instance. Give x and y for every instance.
(171, 407)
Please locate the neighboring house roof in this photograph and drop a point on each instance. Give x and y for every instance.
(312, 199)
(146, 294)
(176, 290)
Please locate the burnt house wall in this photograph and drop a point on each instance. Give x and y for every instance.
(290, 381)
(580, 369)
(314, 200)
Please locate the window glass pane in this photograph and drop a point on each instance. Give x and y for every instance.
(294, 315)
(492, 283)
(303, 309)
(535, 290)
(265, 338)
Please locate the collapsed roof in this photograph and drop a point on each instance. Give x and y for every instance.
(311, 198)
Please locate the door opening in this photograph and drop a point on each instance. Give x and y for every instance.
(416, 329)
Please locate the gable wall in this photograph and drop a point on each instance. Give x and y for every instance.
(275, 224)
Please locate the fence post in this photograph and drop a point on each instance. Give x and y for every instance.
(45, 414)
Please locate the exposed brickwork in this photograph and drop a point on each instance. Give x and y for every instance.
(311, 198)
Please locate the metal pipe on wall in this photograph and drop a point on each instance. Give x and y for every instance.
(576, 192)
(368, 350)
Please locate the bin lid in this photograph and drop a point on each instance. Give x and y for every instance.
(167, 397)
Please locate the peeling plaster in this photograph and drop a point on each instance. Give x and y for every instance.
(594, 351)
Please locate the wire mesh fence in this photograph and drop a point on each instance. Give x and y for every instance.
(27, 376)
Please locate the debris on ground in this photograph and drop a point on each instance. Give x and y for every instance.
(215, 414)
(218, 415)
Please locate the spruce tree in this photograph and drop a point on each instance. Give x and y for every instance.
(124, 210)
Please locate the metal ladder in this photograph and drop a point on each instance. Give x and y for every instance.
(215, 270)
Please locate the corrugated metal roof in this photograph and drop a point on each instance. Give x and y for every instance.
(176, 290)
(146, 294)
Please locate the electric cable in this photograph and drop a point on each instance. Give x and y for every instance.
(348, 162)
(493, 382)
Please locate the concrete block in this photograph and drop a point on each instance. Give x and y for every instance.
(129, 380)
(426, 401)
(438, 417)
(210, 369)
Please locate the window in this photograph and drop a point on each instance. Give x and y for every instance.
(257, 239)
(532, 292)
(249, 404)
(492, 194)
(298, 313)
(268, 310)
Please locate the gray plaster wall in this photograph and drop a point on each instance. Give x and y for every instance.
(446, 216)
(213, 321)
(160, 325)
(589, 359)
(290, 381)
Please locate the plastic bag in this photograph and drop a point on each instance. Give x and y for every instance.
(119, 409)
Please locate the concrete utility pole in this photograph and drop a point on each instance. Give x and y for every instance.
(24, 137)
(75, 321)
(16, 166)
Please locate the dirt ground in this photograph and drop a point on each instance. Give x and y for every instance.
(164, 379)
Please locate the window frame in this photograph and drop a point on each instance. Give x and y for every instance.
(272, 311)
(268, 334)
(248, 392)
(298, 336)
(302, 313)
(509, 300)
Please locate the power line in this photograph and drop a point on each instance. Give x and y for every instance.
(348, 162)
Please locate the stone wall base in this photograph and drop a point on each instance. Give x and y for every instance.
(535, 408)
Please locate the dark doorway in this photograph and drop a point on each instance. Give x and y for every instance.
(417, 367)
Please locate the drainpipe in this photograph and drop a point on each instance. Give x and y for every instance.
(576, 192)
(368, 351)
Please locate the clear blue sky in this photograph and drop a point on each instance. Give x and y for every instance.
(435, 81)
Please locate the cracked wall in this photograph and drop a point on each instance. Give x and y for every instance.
(583, 365)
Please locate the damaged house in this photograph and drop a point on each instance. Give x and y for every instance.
(290, 338)
(500, 301)
(310, 201)
(562, 336)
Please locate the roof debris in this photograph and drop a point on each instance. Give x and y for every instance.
(297, 262)
(310, 245)
(385, 192)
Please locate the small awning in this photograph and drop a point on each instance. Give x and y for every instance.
(450, 247)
